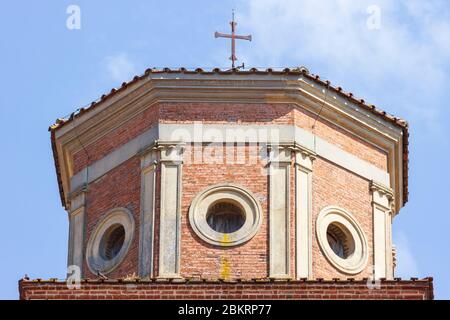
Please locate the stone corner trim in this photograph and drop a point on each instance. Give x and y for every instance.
(171, 162)
(382, 211)
(279, 210)
(303, 211)
(76, 214)
(149, 161)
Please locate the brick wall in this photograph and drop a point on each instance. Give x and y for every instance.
(198, 258)
(116, 138)
(332, 185)
(340, 138)
(335, 186)
(120, 187)
(198, 289)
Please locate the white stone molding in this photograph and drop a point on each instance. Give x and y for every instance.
(199, 133)
(113, 159)
(296, 90)
(279, 210)
(76, 230)
(382, 203)
(147, 220)
(225, 192)
(303, 212)
(359, 255)
(95, 261)
(171, 159)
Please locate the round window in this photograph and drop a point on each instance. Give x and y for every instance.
(110, 240)
(342, 240)
(225, 215)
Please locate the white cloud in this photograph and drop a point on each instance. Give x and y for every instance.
(410, 51)
(119, 67)
(406, 263)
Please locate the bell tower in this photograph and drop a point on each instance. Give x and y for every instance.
(253, 177)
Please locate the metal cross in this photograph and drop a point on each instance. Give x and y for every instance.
(233, 37)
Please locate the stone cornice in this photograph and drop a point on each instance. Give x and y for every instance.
(296, 90)
(149, 93)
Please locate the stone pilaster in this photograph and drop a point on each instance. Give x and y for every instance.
(76, 230)
(382, 202)
(171, 158)
(279, 211)
(147, 220)
(303, 212)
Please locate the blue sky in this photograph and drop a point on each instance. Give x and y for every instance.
(399, 60)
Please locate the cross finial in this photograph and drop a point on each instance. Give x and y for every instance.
(233, 36)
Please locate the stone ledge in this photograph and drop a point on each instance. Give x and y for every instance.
(258, 289)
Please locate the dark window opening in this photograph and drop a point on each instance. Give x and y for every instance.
(225, 217)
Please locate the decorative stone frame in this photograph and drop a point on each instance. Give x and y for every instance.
(225, 192)
(94, 259)
(357, 261)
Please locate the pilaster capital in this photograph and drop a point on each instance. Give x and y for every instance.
(304, 157)
(382, 195)
(280, 153)
(171, 151)
(77, 199)
(149, 158)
